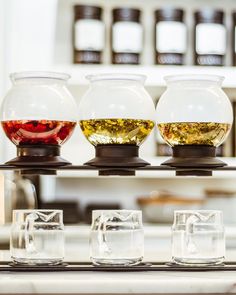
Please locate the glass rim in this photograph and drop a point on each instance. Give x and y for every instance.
(114, 210)
(194, 78)
(101, 212)
(39, 75)
(197, 211)
(36, 210)
(116, 77)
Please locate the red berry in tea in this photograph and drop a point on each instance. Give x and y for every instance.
(27, 132)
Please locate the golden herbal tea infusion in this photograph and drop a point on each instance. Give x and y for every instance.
(194, 133)
(116, 131)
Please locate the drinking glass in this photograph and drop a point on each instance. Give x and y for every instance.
(37, 237)
(116, 237)
(198, 237)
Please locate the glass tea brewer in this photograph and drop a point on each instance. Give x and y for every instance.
(38, 115)
(116, 116)
(194, 116)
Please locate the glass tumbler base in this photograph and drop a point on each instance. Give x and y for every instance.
(39, 262)
(197, 261)
(116, 262)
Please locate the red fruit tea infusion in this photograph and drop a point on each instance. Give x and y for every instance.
(34, 132)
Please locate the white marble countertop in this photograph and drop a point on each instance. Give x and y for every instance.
(118, 283)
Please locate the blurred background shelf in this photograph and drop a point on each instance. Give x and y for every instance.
(155, 73)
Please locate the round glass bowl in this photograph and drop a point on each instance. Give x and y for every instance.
(194, 116)
(38, 115)
(116, 116)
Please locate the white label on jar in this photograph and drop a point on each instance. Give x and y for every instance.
(89, 35)
(171, 37)
(210, 39)
(127, 37)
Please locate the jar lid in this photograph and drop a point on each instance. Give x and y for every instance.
(87, 11)
(169, 14)
(126, 14)
(209, 15)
